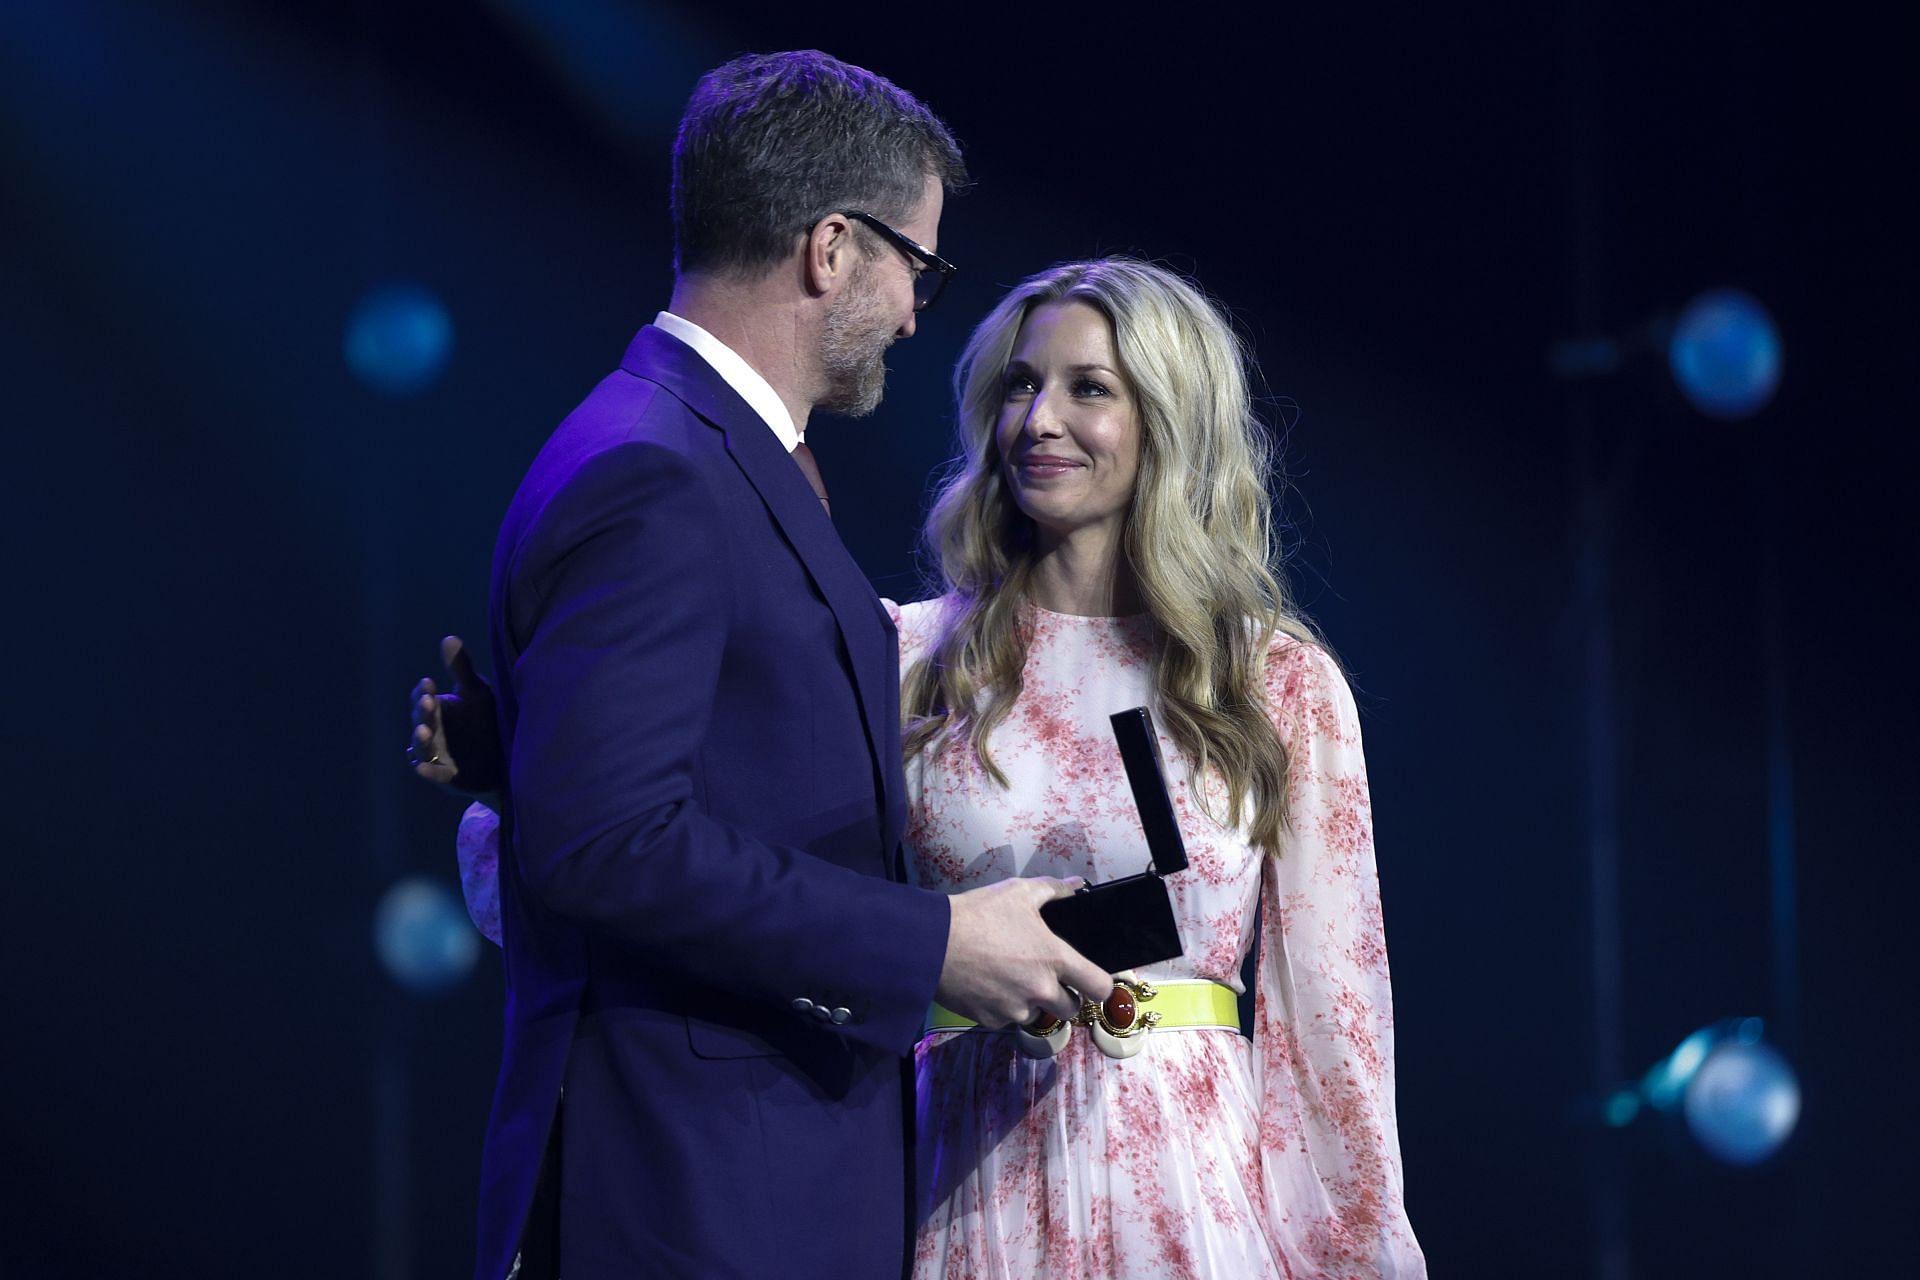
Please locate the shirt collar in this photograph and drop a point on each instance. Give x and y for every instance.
(754, 389)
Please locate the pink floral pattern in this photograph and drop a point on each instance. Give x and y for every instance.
(1204, 1155)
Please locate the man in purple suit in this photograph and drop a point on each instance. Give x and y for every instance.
(714, 969)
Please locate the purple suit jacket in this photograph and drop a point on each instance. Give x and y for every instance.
(706, 942)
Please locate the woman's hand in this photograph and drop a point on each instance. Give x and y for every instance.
(456, 742)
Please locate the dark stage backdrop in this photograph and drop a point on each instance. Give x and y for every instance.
(227, 559)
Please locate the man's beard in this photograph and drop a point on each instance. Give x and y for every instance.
(853, 351)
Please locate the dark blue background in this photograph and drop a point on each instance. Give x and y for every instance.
(227, 560)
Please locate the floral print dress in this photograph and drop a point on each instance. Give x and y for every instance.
(1204, 1155)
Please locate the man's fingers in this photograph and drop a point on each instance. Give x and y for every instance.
(1047, 888)
(1063, 1005)
(1083, 975)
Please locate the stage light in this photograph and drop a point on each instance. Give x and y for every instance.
(1739, 1097)
(398, 339)
(1743, 1102)
(422, 936)
(1725, 354)
(1666, 1083)
(1622, 1108)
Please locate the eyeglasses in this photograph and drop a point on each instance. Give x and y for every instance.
(930, 270)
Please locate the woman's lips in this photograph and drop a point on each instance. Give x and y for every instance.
(1041, 466)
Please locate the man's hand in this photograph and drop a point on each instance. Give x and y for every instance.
(461, 721)
(1004, 966)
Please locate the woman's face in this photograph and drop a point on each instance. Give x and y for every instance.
(1069, 428)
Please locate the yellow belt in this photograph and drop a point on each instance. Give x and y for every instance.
(1180, 1002)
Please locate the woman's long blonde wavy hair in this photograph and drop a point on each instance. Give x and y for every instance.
(1199, 539)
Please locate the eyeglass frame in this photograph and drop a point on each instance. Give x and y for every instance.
(912, 249)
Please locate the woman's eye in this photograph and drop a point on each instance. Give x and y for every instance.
(1018, 383)
(1088, 387)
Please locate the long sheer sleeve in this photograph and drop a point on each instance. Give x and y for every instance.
(1323, 1020)
(478, 847)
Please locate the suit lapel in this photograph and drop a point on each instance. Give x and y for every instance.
(871, 644)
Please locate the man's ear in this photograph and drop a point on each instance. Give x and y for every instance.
(830, 254)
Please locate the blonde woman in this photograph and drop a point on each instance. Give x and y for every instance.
(1105, 541)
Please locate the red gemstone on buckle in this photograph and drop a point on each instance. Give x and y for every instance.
(1122, 1011)
(1045, 1024)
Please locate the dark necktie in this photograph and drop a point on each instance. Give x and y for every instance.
(811, 470)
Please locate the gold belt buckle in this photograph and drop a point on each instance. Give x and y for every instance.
(1116, 1023)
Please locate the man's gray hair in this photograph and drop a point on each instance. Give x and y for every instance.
(771, 143)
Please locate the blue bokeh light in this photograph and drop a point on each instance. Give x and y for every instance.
(1725, 354)
(1667, 1082)
(423, 937)
(1738, 1096)
(1622, 1108)
(1743, 1102)
(398, 340)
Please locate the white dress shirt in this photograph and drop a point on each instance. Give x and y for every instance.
(739, 375)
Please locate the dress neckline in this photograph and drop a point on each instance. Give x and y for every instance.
(1089, 617)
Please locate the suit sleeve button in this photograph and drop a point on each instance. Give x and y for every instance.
(823, 1012)
(841, 1015)
(803, 1005)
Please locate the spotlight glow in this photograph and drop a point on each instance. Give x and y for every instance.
(422, 936)
(398, 339)
(1725, 354)
(1743, 1102)
(1739, 1097)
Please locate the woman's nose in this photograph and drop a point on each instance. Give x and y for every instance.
(1042, 422)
